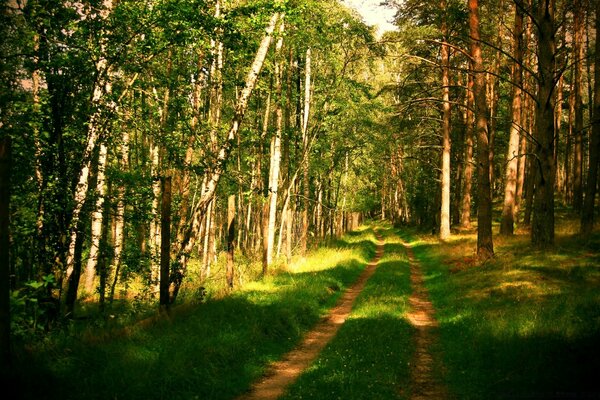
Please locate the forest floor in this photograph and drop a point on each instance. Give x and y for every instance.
(282, 373)
(417, 318)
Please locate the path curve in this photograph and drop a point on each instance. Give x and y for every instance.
(424, 383)
(282, 373)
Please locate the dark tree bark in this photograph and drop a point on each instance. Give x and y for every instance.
(542, 226)
(165, 242)
(5, 166)
(485, 246)
(587, 215)
(578, 56)
(465, 214)
(230, 239)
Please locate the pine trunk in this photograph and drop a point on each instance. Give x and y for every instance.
(485, 247)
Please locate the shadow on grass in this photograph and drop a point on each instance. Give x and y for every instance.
(528, 330)
(369, 357)
(214, 351)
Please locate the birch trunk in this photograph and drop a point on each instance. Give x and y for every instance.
(97, 221)
(102, 87)
(275, 154)
(199, 209)
(306, 160)
(512, 157)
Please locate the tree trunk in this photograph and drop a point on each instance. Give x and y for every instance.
(275, 153)
(579, 57)
(306, 161)
(102, 87)
(119, 236)
(465, 215)
(230, 239)
(446, 129)
(512, 156)
(542, 230)
(199, 210)
(165, 242)
(587, 216)
(5, 172)
(97, 222)
(485, 247)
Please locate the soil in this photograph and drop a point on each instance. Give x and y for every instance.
(282, 373)
(425, 369)
(425, 382)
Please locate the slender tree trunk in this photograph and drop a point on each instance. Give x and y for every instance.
(102, 87)
(542, 230)
(97, 221)
(5, 172)
(512, 157)
(579, 57)
(446, 129)
(230, 239)
(199, 210)
(485, 247)
(465, 215)
(587, 216)
(119, 237)
(275, 153)
(306, 161)
(165, 242)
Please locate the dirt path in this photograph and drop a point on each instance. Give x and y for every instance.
(284, 372)
(425, 384)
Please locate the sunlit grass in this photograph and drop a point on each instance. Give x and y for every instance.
(369, 357)
(210, 350)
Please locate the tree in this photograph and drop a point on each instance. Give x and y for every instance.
(512, 156)
(587, 215)
(5, 168)
(542, 227)
(485, 247)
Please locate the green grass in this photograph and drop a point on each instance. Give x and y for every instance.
(213, 350)
(368, 359)
(523, 325)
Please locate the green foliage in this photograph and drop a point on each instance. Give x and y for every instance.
(33, 308)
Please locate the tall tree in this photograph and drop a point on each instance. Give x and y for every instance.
(446, 129)
(512, 156)
(542, 227)
(485, 246)
(587, 215)
(5, 167)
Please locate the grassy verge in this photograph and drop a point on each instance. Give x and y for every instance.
(525, 324)
(368, 359)
(212, 351)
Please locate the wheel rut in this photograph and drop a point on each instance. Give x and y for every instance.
(424, 383)
(284, 372)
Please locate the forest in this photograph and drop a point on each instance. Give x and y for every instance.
(263, 199)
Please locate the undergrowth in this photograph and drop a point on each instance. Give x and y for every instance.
(212, 350)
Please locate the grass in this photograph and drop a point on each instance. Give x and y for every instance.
(368, 359)
(525, 324)
(209, 351)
